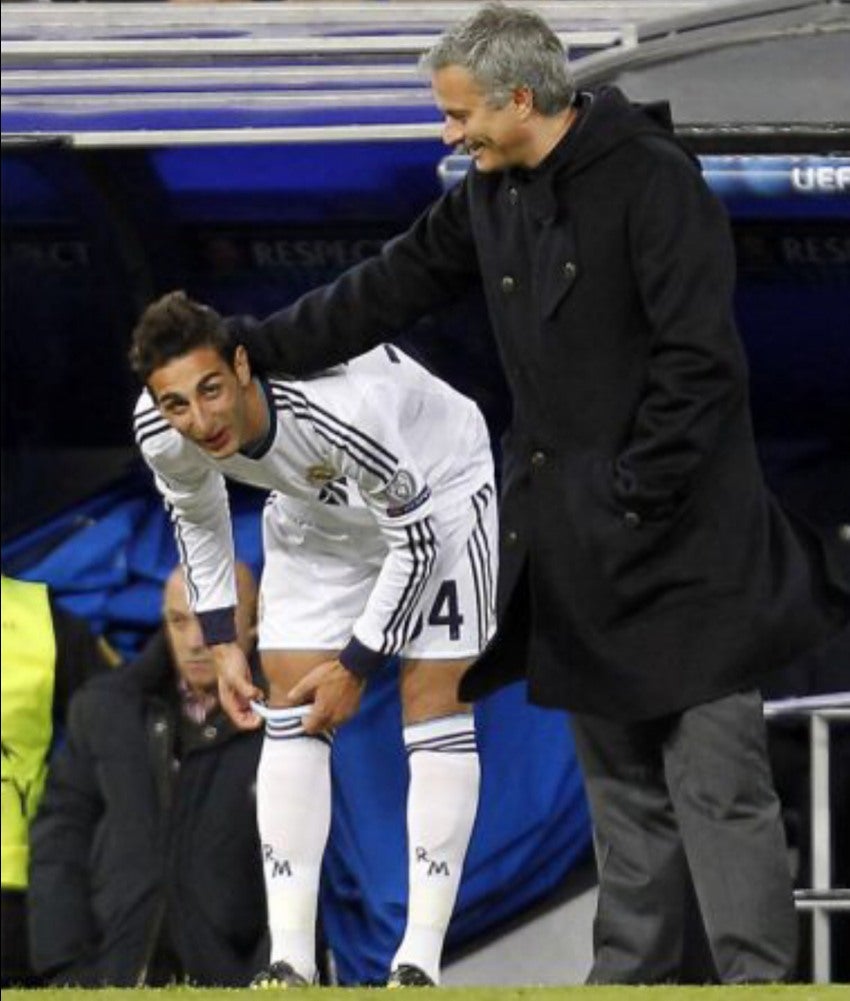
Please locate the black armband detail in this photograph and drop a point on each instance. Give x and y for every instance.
(218, 625)
(361, 659)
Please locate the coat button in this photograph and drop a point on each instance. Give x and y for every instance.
(511, 538)
(160, 726)
(538, 459)
(631, 519)
(210, 732)
(570, 269)
(508, 284)
(513, 196)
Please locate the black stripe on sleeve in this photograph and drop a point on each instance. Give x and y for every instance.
(191, 583)
(481, 501)
(367, 452)
(474, 554)
(429, 547)
(149, 424)
(422, 544)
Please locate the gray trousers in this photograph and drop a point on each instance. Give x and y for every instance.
(684, 806)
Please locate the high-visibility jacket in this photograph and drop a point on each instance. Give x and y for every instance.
(28, 679)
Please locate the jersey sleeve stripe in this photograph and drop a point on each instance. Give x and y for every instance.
(422, 544)
(368, 440)
(148, 424)
(390, 642)
(152, 409)
(317, 408)
(191, 583)
(303, 409)
(339, 435)
(143, 436)
(354, 450)
(481, 499)
(429, 552)
(147, 415)
(474, 554)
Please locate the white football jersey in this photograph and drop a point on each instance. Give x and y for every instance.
(376, 446)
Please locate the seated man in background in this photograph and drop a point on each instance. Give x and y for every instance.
(379, 540)
(47, 654)
(145, 859)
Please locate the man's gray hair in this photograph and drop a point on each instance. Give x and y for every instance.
(504, 48)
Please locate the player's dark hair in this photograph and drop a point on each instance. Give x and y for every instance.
(172, 327)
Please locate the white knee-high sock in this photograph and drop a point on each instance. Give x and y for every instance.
(441, 805)
(293, 818)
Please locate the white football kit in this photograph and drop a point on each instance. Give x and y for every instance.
(380, 529)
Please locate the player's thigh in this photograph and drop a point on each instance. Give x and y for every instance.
(312, 590)
(285, 668)
(457, 614)
(429, 688)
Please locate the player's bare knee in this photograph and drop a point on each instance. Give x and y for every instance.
(429, 689)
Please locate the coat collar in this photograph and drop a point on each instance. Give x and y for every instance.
(538, 183)
(606, 120)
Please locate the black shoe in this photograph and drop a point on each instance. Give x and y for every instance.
(409, 976)
(278, 975)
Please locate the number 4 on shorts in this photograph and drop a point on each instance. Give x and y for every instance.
(445, 610)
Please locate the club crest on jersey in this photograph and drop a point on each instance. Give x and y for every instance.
(320, 473)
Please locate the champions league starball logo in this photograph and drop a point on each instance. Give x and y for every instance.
(404, 495)
(402, 487)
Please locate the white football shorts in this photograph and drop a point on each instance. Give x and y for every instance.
(318, 576)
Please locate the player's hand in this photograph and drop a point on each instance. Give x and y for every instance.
(236, 688)
(335, 693)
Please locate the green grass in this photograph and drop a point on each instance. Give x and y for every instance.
(802, 992)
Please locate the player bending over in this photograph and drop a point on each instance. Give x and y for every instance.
(379, 539)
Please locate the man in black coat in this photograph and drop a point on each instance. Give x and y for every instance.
(647, 577)
(145, 859)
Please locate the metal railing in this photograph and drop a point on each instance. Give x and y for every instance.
(822, 899)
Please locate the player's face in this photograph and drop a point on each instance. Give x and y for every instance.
(495, 138)
(205, 399)
(192, 658)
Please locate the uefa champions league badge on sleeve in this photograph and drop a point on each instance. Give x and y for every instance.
(403, 495)
(402, 487)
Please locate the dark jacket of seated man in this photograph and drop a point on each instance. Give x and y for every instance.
(145, 856)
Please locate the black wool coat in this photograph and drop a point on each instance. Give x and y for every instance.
(644, 566)
(129, 850)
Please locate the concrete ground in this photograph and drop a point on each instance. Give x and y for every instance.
(552, 945)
